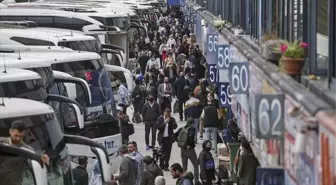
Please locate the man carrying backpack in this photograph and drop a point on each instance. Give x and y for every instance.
(128, 169)
(186, 141)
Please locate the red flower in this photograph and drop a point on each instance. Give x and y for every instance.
(88, 76)
(283, 48)
(303, 45)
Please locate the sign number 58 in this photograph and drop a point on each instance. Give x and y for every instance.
(270, 115)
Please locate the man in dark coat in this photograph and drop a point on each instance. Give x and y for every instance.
(142, 60)
(182, 89)
(166, 126)
(79, 173)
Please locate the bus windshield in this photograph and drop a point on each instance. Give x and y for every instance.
(29, 89)
(121, 22)
(83, 45)
(100, 85)
(43, 134)
(46, 74)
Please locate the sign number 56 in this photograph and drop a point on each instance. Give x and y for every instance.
(270, 115)
(212, 42)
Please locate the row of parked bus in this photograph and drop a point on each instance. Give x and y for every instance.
(59, 65)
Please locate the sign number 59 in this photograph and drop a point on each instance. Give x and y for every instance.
(270, 115)
(224, 94)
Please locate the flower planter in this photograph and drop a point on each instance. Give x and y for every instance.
(293, 66)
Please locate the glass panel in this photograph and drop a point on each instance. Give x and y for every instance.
(322, 37)
(32, 42)
(121, 22)
(84, 45)
(42, 21)
(43, 134)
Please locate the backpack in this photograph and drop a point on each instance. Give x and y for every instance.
(135, 167)
(182, 137)
(183, 179)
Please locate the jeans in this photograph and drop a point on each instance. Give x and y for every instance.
(191, 155)
(196, 125)
(211, 134)
(150, 127)
(166, 144)
(180, 105)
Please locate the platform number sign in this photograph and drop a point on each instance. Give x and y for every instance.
(239, 77)
(212, 42)
(212, 73)
(223, 57)
(224, 94)
(270, 176)
(270, 116)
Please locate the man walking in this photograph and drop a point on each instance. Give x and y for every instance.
(210, 119)
(133, 150)
(186, 141)
(123, 96)
(128, 169)
(177, 172)
(150, 114)
(193, 110)
(165, 93)
(151, 171)
(166, 126)
(80, 174)
(182, 89)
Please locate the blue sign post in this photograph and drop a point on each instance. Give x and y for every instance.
(222, 63)
(212, 73)
(211, 45)
(270, 176)
(198, 29)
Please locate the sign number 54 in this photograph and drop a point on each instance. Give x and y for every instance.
(270, 116)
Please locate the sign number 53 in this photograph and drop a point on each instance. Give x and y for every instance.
(270, 115)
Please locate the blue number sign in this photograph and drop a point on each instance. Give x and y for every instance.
(224, 94)
(270, 176)
(239, 77)
(198, 29)
(212, 73)
(270, 122)
(211, 44)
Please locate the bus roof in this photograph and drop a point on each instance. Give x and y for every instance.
(20, 60)
(17, 107)
(16, 74)
(48, 35)
(28, 48)
(63, 57)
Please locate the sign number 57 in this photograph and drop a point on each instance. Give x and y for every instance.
(270, 116)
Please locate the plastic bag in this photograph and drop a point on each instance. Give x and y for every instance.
(95, 179)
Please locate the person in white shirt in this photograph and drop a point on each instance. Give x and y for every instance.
(171, 41)
(152, 63)
(166, 126)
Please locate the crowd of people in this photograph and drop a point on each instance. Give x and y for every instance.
(172, 66)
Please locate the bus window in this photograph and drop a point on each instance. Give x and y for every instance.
(13, 18)
(32, 42)
(70, 23)
(42, 21)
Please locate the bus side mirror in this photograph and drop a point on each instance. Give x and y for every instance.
(76, 116)
(82, 146)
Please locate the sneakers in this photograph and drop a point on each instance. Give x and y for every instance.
(147, 148)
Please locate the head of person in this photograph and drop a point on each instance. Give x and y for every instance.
(120, 110)
(166, 80)
(176, 170)
(207, 145)
(153, 58)
(245, 145)
(147, 160)
(171, 36)
(170, 54)
(150, 99)
(123, 150)
(17, 132)
(167, 112)
(210, 98)
(173, 46)
(137, 82)
(118, 83)
(203, 85)
(191, 95)
(181, 74)
(132, 147)
(160, 180)
(82, 161)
